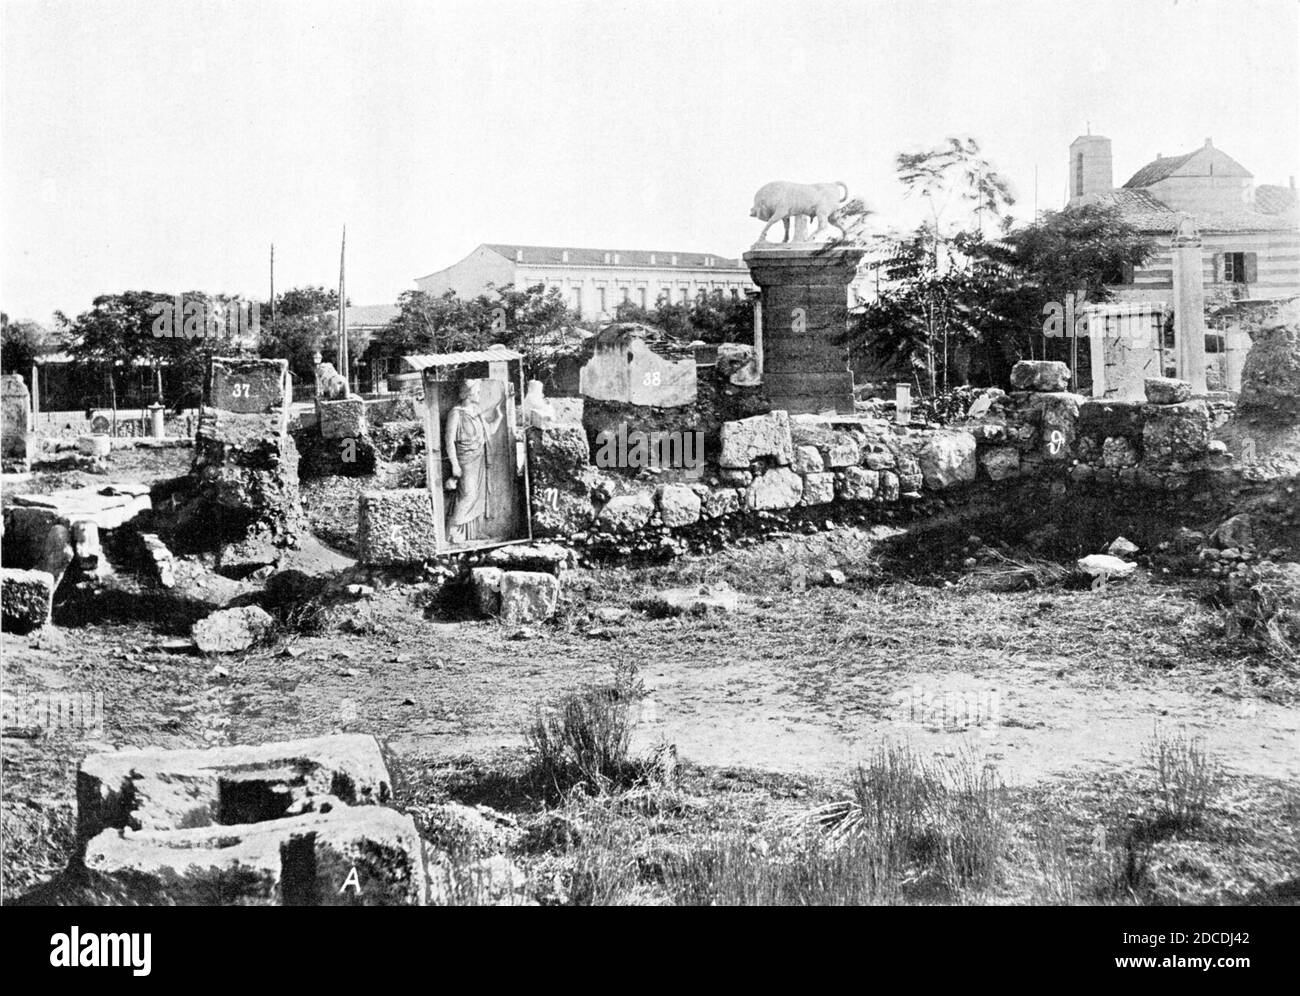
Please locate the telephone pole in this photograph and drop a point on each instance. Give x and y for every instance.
(343, 312)
(272, 285)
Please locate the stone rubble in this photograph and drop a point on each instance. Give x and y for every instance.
(231, 630)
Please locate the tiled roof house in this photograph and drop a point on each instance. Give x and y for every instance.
(1250, 236)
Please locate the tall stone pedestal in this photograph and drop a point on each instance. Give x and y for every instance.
(805, 315)
(1189, 307)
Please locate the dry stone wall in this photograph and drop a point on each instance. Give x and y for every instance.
(777, 465)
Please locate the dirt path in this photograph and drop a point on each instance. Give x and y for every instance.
(1031, 724)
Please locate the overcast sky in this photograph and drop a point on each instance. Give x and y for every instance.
(164, 145)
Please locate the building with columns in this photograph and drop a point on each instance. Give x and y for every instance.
(593, 281)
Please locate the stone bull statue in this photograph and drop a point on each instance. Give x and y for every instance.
(330, 385)
(781, 200)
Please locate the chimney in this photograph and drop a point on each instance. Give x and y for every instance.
(1293, 181)
(1209, 143)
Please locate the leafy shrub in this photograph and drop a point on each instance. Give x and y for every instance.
(946, 823)
(1187, 780)
(1261, 604)
(585, 740)
(296, 601)
(943, 408)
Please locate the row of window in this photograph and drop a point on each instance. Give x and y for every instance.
(617, 258)
(1229, 268)
(642, 296)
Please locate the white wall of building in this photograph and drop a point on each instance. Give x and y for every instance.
(594, 290)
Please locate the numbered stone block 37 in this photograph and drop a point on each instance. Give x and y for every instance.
(249, 386)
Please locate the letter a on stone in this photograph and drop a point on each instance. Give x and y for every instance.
(798, 320)
(353, 880)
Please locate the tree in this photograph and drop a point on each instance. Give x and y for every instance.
(711, 317)
(437, 324)
(1079, 250)
(310, 300)
(118, 332)
(932, 271)
(303, 325)
(952, 294)
(20, 345)
(534, 321)
(529, 320)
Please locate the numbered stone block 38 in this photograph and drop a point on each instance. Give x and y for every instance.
(634, 364)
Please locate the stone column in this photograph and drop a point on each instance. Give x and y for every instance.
(805, 316)
(1189, 306)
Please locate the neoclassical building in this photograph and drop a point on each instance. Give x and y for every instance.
(593, 281)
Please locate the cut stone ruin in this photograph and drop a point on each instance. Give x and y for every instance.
(46, 535)
(1270, 379)
(638, 365)
(805, 313)
(520, 584)
(280, 824)
(15, 422)
(244, 480)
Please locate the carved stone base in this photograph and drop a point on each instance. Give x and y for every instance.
(805, 318)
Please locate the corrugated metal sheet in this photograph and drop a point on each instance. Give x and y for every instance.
(423, 361)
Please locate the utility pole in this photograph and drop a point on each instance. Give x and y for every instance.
(273, 285)
(343, 313)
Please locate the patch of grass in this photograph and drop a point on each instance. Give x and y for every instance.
(296, 601)
(584, 742)
(924, 825)
(809, 869)
(1187, 781)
